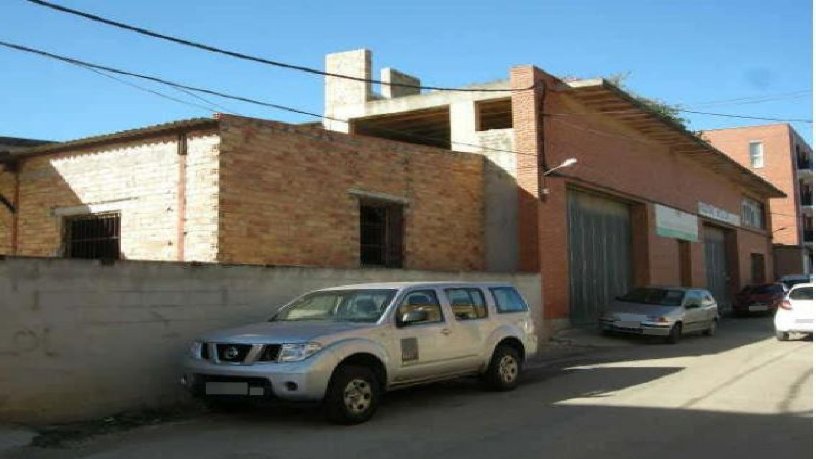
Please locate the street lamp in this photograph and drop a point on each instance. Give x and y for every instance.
(567, 163)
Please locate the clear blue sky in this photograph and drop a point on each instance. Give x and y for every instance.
(682, 51)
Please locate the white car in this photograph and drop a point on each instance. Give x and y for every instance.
(795, 313)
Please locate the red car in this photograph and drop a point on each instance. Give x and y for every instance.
(759, 298)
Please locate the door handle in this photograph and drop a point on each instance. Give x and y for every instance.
(446, 331)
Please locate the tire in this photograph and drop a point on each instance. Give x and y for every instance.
(712, 328)
(353, 395)
(782, 336)
(502, 373)
(674, 334)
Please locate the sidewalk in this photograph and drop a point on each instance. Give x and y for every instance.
(574, 343)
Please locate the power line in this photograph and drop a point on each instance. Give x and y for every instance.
(142, 88)
(238, 98)
(750, 100)
(239, 55)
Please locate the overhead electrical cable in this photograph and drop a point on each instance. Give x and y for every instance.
(234, 97)
(248, 57)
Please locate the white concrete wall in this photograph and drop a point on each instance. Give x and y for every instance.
(79, 339)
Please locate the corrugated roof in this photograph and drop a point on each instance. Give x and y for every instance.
(130, 134)
(604, 97)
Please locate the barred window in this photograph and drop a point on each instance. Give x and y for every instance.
(92, 236)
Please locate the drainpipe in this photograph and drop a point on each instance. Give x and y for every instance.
(12, 206)
(181, 150)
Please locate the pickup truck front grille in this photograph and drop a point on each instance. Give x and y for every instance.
(233, 353)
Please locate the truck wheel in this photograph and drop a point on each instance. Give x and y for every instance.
(353, 395)
(503, 372)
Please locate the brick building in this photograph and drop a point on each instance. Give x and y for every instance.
(242, 190)
(648, 202)
(778, 153)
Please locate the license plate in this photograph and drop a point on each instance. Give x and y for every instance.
(757, 308)
(227, 388)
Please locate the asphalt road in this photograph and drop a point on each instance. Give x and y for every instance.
(738, 394)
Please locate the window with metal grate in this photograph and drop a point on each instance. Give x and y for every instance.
(93, 236)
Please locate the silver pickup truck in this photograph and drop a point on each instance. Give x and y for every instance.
(346, 346)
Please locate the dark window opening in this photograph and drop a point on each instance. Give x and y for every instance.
(430, 127)
(92, 236)
(381, 235)
(494, 114)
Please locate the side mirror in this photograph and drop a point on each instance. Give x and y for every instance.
(412, 317)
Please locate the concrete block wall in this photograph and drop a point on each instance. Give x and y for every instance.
(138, 179)
(80, 340)
(289, 195)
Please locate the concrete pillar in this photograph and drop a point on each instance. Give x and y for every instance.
(345, 98)
(463, 126)
(389, 75)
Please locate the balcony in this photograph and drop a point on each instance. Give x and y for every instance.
(804, 169)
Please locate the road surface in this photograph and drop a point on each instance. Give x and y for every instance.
(738, 394)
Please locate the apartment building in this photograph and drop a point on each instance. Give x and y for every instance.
(777, 153)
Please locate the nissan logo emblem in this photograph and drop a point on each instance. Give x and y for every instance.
(231, 353)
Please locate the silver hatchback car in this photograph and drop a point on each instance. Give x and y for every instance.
(662, 311)
(346, 346)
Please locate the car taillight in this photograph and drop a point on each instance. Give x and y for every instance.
(785, 305)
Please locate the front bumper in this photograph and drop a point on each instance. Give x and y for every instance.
(638, 328)
(304, 381)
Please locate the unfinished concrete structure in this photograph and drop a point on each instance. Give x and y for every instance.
(647, 203)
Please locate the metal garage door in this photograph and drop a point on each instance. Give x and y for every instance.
(600, 254)
(716, 264)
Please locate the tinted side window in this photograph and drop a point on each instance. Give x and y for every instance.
(467, 303)
(508, 300)
(804, 293)
(693, 297)
(421, 300)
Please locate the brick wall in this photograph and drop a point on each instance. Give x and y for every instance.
(6, 217)
(139, 179)
(285, 197)
(620, 162)
(779, 169)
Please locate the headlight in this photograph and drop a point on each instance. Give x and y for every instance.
(195, 349)
(298, 352)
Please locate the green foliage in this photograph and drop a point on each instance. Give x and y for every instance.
(662, 108)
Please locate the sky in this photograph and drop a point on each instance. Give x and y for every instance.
(702, 54)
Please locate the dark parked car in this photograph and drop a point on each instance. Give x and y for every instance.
(759, 298)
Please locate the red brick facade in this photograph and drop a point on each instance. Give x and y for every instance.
(248, 191)
(623, 163)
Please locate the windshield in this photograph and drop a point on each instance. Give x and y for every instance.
(658, 296)
(338, 305)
